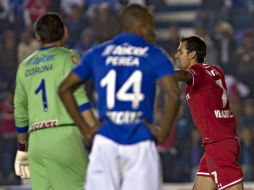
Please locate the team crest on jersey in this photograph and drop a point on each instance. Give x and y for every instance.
(75, 59)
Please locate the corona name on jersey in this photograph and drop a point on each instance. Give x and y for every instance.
(38, 70)
(125, 117)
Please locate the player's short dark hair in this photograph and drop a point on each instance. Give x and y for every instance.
(197, 44)
(133, 15)
(50, 27)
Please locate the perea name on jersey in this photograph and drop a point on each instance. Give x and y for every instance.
(124, 55)
(122, 61)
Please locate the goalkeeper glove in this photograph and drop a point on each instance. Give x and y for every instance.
(21, 162)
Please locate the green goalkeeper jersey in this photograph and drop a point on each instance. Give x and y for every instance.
(36, 101)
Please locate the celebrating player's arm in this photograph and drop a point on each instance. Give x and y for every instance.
(182, 75)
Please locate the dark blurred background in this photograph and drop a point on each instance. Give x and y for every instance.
(226, 25)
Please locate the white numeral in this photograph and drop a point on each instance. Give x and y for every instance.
(134, 82)
(224, 97)
(109, 81)
(214, 173)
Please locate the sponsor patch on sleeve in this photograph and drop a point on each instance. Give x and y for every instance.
(75, 59)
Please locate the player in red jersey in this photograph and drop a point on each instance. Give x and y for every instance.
(207, 98)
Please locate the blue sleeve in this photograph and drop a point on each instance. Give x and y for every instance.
(22, 129)
(84, 107)
(163, 65)
(84, 68)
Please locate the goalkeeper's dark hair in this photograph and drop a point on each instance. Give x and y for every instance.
(133, 15)
(197, 44)
(50, 27)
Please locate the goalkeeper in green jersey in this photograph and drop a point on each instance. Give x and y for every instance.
(56, 156)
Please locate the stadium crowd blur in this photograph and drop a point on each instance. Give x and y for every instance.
(226, 25)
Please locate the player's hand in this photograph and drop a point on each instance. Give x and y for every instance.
(156, 132)
(90, 132)
(88, 137)
(21, 165)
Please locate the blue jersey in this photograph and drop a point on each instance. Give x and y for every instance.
(124, 71)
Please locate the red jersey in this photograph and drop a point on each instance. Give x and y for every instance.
(207, 99)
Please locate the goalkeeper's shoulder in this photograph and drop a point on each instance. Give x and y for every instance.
(69, 55)
(67, 51)
(27, 60)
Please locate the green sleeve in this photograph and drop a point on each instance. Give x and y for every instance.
(20, 105)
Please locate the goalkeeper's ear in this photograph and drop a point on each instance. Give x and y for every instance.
(38, 38)
(66, 33)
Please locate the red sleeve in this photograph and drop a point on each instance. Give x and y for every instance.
(198, 75)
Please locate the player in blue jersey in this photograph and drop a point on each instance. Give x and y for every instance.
(125, 71)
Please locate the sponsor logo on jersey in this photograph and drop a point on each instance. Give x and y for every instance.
(125, 117)
(38, 70)
(40, 59)
(223, 113)
(125, 49)
(44, 124)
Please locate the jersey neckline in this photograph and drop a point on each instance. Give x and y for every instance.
(45, 48)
